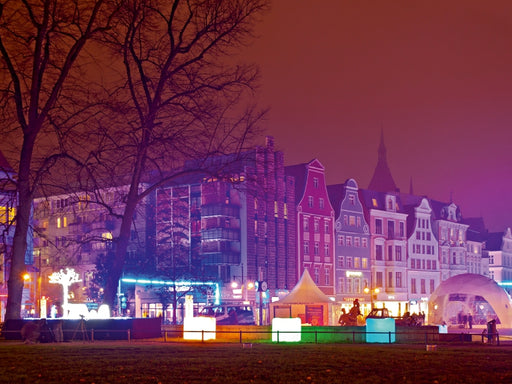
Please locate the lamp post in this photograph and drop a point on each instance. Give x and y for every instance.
(27, 281)
(373, 293)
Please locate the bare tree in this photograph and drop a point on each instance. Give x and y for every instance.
(43, 97)
(182, 97)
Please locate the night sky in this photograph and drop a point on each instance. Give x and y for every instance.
(435, 76)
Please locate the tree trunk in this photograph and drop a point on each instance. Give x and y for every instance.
(122, 242)
(19, 247)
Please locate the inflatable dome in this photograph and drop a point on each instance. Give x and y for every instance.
(471, 294)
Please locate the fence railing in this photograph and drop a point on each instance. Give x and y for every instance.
(242, 336)
(354, 337)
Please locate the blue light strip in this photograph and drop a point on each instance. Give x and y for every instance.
(180, 283)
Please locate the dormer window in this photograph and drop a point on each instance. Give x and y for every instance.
(391, 203)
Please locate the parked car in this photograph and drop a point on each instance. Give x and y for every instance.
(378, 313)
(230, 314)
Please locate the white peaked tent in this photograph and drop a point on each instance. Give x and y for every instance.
(306, 301)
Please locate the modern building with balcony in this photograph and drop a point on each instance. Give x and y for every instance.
(8, 202)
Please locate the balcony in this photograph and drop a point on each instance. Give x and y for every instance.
(224, 258)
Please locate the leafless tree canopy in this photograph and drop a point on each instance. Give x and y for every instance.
(119, 92)
(181, 96)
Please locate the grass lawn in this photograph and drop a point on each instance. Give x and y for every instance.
(145, 362)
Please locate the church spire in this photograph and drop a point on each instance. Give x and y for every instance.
(382, 180)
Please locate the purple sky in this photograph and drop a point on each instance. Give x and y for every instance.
(434, 75)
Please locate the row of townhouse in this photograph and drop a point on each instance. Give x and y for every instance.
(384, 247)
(267, 222)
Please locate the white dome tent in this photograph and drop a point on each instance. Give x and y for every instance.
(470, 293)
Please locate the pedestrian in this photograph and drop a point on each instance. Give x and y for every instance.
(470, 320)
(465, 320)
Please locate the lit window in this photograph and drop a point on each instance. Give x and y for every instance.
(374, 202)
(3, 214)
(59, 224)
(106, 236)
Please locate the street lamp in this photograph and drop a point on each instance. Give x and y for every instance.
(28, 289)
(373, 294)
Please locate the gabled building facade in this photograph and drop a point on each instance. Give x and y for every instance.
(315, 224)
(352, 247)
(499, 250)
(388, 244)
(423, 269)
(451, 234)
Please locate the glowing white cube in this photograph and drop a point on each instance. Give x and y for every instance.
(199, 328)
(286, 329)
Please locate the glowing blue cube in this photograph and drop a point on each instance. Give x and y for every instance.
(378, 330)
